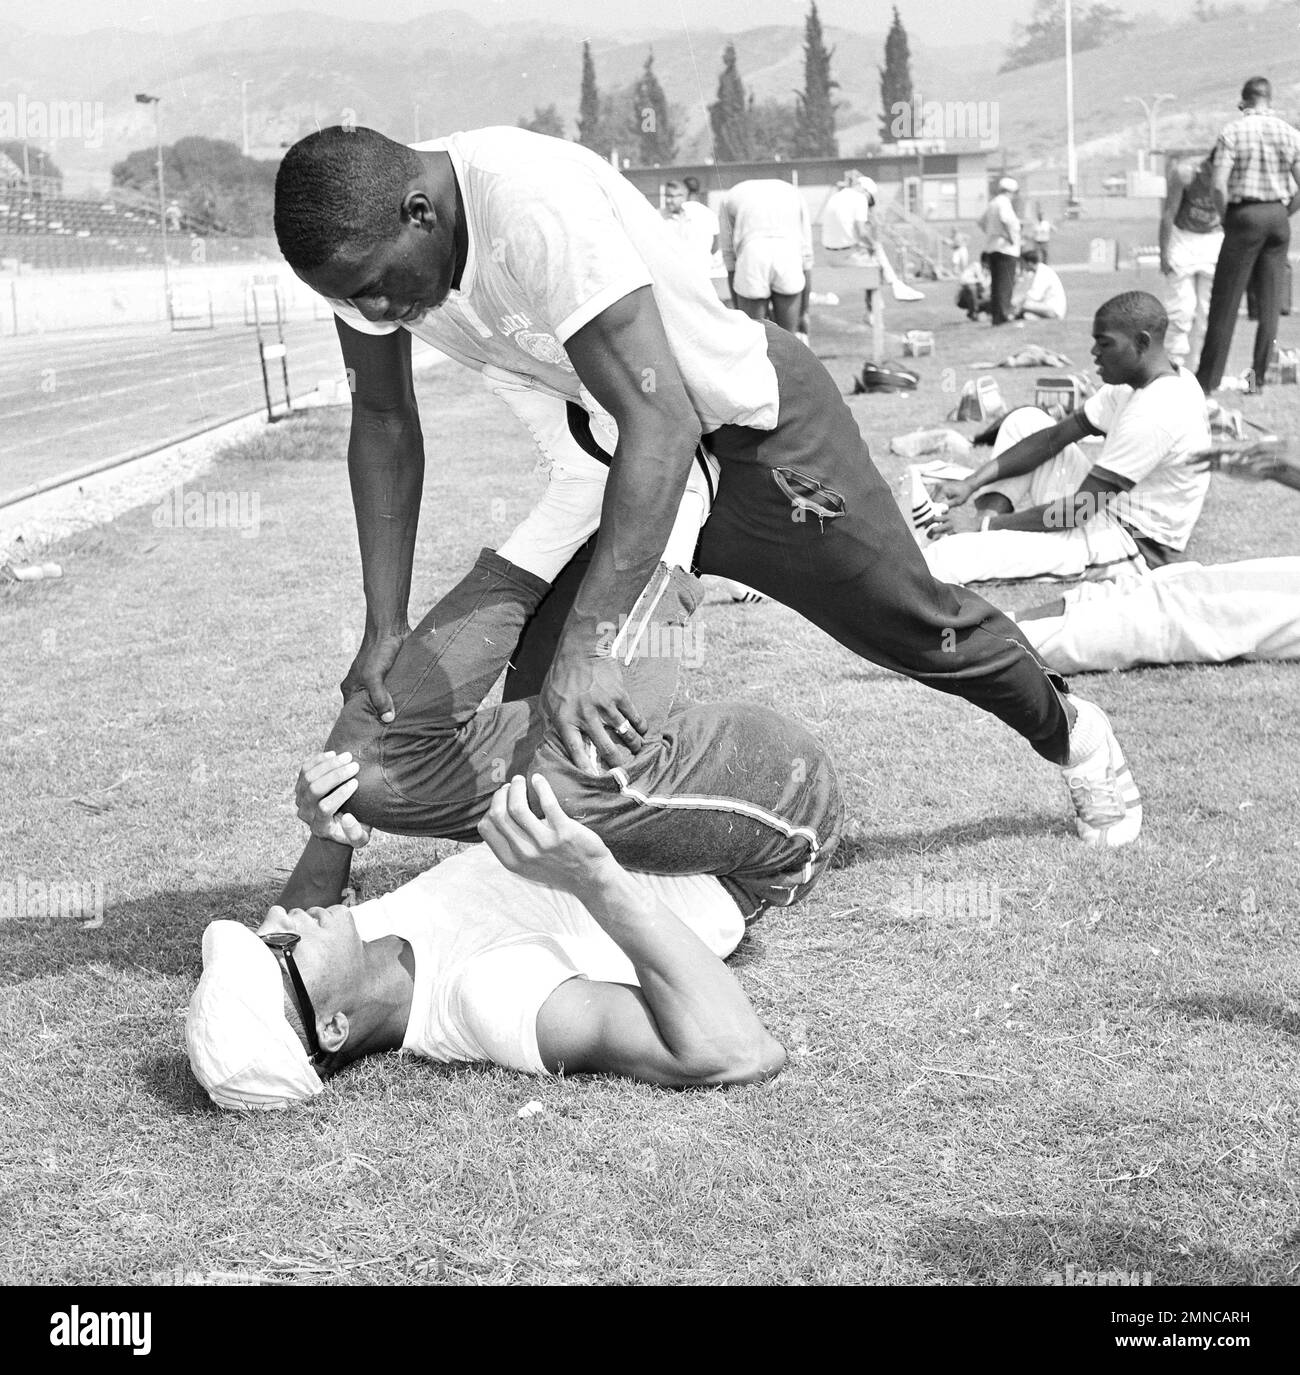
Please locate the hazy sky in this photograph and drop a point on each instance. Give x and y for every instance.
(934, 21)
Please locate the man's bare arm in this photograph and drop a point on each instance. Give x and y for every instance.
(320, 876)
(386, 473)
(1294, 203)
(1021, 458)
(624, 359)
(689, 1023)
(1223, 161)
(1174, 187)
(1066, 513)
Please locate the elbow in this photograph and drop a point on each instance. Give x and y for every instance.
(746, 1060)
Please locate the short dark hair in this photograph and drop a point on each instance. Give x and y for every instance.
(1132, 312)
(674, 186)
(1256, 89)
(339, 188)
(1030, 257)
(692, 184)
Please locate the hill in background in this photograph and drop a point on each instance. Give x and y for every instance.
(448, 70)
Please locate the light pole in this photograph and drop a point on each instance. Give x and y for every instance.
(1150, 111)
(1071, 157)
(156, 102)
(244, 84)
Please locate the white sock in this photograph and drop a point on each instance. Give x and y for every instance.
(1088, 733)
(692, 512)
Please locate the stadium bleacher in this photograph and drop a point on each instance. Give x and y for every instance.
(67, 233)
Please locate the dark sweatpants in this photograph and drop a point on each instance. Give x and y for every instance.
(856, 571)
(1002, 268)
(730, 789)
(1255, 241)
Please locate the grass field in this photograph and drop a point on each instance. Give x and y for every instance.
(1008, 1054)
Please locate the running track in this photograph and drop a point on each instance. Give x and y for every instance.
(71, 399)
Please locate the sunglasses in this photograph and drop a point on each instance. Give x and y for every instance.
(282, 943)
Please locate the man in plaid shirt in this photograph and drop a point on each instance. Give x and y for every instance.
(1256, 176)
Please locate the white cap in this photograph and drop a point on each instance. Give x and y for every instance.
(1008, 184)
(865, 184)
(242, 1048)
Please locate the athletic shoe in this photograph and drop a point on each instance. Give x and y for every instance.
(1106, 801)
(923, 510)
(903, 292)
(738, 592)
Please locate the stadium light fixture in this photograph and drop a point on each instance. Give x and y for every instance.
(1071, 157)
(1150, 111)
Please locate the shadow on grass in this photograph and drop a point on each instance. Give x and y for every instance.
(1032, 1250)
(873, 846)
(160, 933)
(1232, 1007)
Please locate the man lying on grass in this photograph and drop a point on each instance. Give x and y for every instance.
(1184, 613)
(540, 951)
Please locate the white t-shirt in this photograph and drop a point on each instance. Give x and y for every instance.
(556, 236)
(764, 208)
(1046, 291)
(696, 226)
(491, 947)
(1150, 432)
(1002, 226)
(846, 219)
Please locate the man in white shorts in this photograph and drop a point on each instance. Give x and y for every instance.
(1048, 510)
(766, 240)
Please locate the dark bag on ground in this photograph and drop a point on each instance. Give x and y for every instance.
(885, 377)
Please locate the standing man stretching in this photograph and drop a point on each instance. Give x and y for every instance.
(1256, 191)
(531, 258)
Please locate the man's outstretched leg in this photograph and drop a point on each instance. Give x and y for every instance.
(803, 515)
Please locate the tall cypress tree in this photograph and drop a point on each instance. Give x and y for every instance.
(589, 121)
(896, 86)
(815, 117)
(656, 139)
(729, 114)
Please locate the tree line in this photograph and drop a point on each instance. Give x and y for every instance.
(640, 125)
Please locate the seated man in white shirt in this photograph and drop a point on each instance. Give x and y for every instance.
(1044, 295)
(1048, 510)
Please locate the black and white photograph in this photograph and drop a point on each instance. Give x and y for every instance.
(650, 647)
